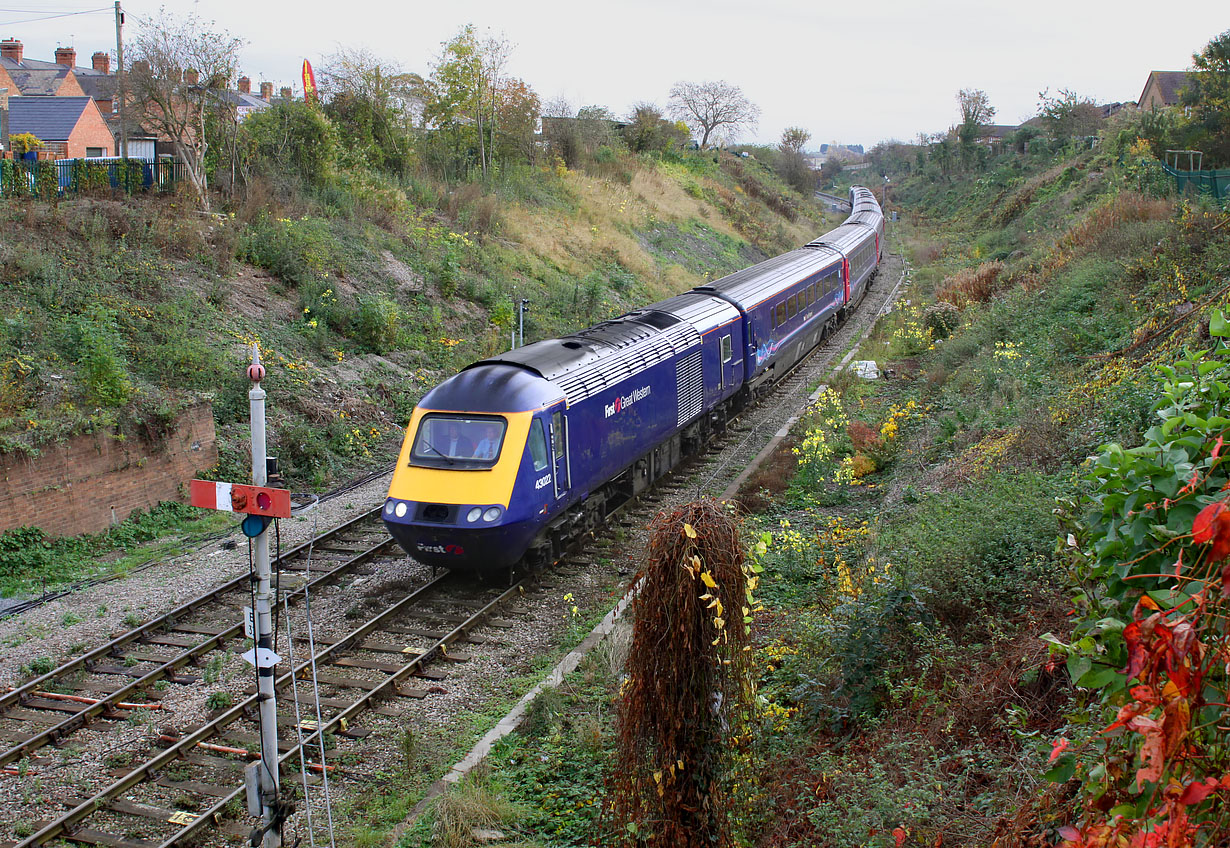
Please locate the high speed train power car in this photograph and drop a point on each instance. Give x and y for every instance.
(517, 454)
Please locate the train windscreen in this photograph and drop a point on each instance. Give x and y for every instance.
(458, 441)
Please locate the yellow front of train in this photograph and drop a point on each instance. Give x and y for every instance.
(463, 492)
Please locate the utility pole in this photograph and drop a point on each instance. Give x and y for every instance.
(119, 76)
(263, 636)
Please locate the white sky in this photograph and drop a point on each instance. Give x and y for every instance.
(854, 72)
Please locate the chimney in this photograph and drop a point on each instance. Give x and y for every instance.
(286, 93)
(140, 67)
(266, 91)
(10, 48)
(191, 77)
(245, 85)
(66, 56)
(102, 62)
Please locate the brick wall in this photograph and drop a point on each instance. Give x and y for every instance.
(85, 484)
(91, 131)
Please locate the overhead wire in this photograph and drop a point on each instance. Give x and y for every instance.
(46, 17)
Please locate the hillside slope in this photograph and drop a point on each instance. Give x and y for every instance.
(361, 294)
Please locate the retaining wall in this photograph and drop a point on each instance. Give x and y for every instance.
(93, 481)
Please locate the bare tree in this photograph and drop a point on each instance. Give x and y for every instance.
(719, 109)
(181, 69)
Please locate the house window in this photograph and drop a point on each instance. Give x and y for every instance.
(95, 152)
(726, 353)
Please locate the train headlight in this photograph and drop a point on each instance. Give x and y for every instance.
(492, 513)
(400, 510)
(388, 507)
(474, 514)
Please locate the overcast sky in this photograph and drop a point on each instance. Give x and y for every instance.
(853, 72)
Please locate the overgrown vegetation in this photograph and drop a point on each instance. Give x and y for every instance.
(924, 675)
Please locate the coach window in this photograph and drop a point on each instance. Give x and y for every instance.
(811, 294)
(538, 445)
(773, 318)
(726, 353)
(781, 314)
(793, 305)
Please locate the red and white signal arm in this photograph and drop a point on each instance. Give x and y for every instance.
(236, 497)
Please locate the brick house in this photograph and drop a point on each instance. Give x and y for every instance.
(69, 127)
(34, 78)
(1162, 89)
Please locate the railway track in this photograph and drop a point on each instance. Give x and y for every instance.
(121, 671)
(201, 768)
(193, 782)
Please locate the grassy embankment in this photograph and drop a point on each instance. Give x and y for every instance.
(361, 294)
(913, 567)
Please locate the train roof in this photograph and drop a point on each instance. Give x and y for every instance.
(589, 361)
(703, 311)
(753, 285)
(485, 387)
(846, 238)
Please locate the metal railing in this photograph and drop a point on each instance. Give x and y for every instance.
(1214, 183)
(62, 177)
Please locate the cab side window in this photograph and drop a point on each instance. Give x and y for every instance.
(538, 445)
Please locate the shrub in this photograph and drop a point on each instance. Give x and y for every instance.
(378, 323)
(971, 285)
(941, 319)
(100, 358)
(984, 547)
(297, 251)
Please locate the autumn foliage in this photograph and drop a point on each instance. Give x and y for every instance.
(1156, 543)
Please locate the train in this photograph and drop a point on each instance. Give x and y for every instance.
(508, 461)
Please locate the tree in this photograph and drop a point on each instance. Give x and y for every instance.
(1208, 95)
(469, 96)
(291, 138)
(720, 110)
(181, 68)
(650, 129)
(1068, 114)
(373, 104)
(792, 164)
(976, 108)
(517, 111)
(976, 111)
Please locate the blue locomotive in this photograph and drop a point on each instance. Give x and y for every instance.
(507, 461)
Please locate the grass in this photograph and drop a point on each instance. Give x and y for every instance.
(30, 559)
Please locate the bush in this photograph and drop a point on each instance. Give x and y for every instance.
(298, 252)
(378, 323)
(100, 358)
(971, 285)
(984, 547)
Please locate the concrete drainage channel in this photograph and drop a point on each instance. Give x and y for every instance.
(604, 628)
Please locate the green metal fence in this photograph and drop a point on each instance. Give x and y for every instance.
(1213, 183)
(51, 177)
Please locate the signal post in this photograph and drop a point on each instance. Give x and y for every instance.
(261, 505)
